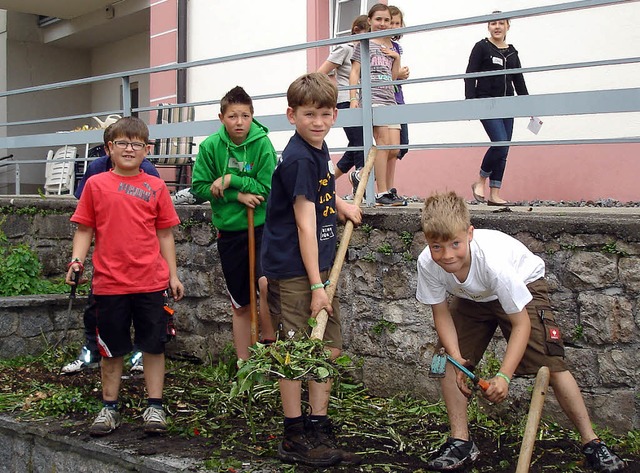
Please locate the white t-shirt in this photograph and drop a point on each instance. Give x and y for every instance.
(501, 268)
(341, 56)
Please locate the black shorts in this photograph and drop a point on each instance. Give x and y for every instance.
(233, 248)
(114, 315)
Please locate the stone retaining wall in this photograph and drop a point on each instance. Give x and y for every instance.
(593, 266)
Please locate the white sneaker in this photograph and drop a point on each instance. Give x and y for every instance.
(184, 197)
(107, 421)
(155, 420)
(82, 363)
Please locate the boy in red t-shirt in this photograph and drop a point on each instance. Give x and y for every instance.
(131, 216)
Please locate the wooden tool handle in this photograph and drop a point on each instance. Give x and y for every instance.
(253, 304)
(533, 419)
(341, 253)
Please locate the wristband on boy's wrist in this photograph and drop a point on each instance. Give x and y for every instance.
(320, 285)
(503, 376)
(77, 261)
(353, 99)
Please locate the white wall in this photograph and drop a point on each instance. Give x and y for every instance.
(125, 55)
(216, 29)
(584, 35)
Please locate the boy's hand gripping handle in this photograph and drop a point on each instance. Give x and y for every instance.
(483, 383)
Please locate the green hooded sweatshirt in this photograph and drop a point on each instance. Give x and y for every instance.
(250, 165)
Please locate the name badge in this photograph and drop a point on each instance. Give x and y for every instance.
(497, 60)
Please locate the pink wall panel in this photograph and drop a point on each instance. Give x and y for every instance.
(163, 16)
(578, 172)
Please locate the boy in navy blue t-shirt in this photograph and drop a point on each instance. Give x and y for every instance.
(298, 248)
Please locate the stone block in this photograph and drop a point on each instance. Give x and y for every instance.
(33, 324)
(585, 270)
(619, 368)
(629, 273)
(606, 319)
(52, 226)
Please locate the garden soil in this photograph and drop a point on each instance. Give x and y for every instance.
(233, 449)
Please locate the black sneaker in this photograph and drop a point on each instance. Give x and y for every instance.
(354, 178)
(385, 199)
(398, 201)
(324, 432)
(600, 458)
(302, 445)
(454, 454)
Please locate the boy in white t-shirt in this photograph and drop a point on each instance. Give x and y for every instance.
(494, 281)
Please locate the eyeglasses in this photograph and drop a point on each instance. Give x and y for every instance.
(135, 145)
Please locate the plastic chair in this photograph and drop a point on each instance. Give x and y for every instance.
(168, 150)
(59, 174)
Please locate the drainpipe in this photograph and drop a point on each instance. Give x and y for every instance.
(182, 51)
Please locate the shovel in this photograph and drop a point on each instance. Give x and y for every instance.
(323, 316)
(438, 366)
(253, 304)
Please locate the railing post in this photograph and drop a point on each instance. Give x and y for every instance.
(126, 96)
(17, 178)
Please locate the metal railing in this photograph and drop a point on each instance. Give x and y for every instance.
(571, 103)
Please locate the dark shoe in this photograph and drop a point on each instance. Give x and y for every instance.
(385, 199)
(324, 432)
(398, 201)
(478, 198)
(600, 458)
(454, 454)
(491, 203)
(107, 421)
(302, 445)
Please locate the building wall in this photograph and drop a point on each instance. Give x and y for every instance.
(124, 55)
(541, 172)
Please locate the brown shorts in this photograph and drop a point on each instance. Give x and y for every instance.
(476, 322)
(289, 302)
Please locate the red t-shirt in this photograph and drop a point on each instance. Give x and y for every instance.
(125, 212)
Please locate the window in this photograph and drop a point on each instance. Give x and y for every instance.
(345, 11)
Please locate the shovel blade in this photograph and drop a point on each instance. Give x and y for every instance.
(438, 366)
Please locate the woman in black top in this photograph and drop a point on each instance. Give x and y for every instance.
(494, 54)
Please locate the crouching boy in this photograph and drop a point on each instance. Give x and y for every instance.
(298, 248)
(130, 216)
(494, 280)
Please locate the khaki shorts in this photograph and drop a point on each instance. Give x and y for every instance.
(476, 322)
(289, 302)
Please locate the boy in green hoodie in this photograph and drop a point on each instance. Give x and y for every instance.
(233, 172)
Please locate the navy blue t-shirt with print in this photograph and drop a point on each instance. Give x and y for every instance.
(302, 171)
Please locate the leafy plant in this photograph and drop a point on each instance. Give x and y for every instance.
(296, 358)
(369, 257)
(407, 238)
(366, 228)
(21, 271)
(578, 332)
(385, 249)
(612, 248)
(384, 325)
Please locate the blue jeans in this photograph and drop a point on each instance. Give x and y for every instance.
(352, 157)
(495, 159)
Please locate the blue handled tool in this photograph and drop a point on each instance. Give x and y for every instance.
(438, 367)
